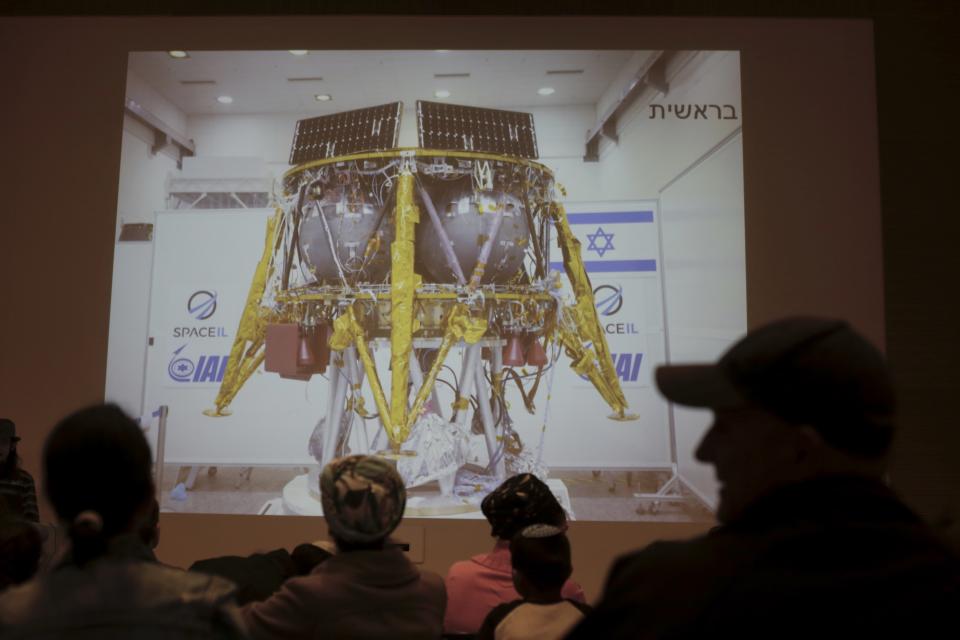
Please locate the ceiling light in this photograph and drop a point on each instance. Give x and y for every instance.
(441, 93)
(442, 50)
(323, 97)
(546, 91)
(298, 52)
(178, 54)
(224, 99)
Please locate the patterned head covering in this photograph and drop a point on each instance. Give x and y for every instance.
(363, 498)
(520, 501)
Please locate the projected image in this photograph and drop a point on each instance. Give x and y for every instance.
(466, 262)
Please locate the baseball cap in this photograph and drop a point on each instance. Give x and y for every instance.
(806, 370)
(8, 429)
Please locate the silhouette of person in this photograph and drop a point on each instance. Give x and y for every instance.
(811, 540)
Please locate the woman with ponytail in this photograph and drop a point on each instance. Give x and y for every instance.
(109, 585)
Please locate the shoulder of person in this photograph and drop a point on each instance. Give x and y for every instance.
(433, 582)
(187, 586)
(654, 554)
(461, 568)
(583, 607)
(496, 616)
(18, 601)
(23, 475)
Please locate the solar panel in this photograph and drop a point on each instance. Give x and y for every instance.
(450, 126)
(339, 134)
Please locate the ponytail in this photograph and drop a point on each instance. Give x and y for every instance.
(87, 537)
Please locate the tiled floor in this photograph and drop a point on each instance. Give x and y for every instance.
(595, 495)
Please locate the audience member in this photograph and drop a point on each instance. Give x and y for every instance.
(368, 589)
(811, 541)
(260, 575)
(540, 555)
(477, 585)
(20, 550)
(97, 477)
(257, 576)
(18, 496)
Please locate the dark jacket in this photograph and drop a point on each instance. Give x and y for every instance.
(123, 594)
(257, 576)
(355, 594)
(833, 557)
(18, 497)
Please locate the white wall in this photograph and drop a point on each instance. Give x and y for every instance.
(141, 192)
(652, 151)
(702, 225)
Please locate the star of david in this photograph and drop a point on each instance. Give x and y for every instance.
(182, 367)
(600, 242)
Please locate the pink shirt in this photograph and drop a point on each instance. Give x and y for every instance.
(477, 585)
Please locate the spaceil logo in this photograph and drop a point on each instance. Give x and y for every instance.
(202, 304)
(206, 368)
(609, 300)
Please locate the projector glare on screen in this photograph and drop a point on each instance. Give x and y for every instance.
(469, 290)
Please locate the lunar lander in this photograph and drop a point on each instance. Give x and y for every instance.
(416, 252)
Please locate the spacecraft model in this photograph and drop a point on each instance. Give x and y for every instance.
(420, 251)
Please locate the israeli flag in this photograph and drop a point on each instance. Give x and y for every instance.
(621, 241)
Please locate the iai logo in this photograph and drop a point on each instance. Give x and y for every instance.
(609, 299)
(202, 304)
(206, 368)
(180, 368)
(627, 366)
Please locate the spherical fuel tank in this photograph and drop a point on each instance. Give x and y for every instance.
(361, 236)
(467, 218)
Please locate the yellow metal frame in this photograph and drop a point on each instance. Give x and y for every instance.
(586, 346)
(247, 351)
(418, 153)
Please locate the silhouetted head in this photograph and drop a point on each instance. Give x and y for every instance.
(97, 476)
(520, 501)
(363, 500)
(540, 557)
(793, 400)
(9, 460)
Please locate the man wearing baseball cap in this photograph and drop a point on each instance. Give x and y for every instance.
(811, 540)
(369, 588)
(18, 494)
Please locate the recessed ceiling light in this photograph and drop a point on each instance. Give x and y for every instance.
(323, 97)
(298, 52)
(546, 91)
(178, 54)
(442, 50)
(224, 99)
(441, 93)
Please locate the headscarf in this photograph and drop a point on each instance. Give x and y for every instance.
(520, 501)
(363, 498)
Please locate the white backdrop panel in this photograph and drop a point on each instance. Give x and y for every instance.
(619, 244)
(202, 258)
(706, 282)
